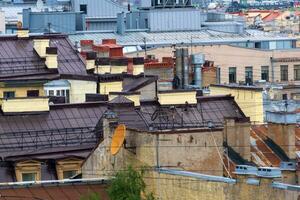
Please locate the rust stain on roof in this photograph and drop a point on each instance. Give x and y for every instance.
(262, 154)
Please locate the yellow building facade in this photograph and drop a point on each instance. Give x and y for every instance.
(249, 99)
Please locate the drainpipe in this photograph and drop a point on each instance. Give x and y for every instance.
(272, 68)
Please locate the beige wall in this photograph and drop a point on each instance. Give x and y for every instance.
(175, 187)
(25, 105)
(190, 150)
(226, 56)
(250, 101)
(79, 88)
(22, 91)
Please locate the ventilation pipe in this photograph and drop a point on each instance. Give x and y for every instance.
(51, 57)
(90, 60)
(178, 78)
(198, 61)
(185, 59)
(22, 33)
(120, 23)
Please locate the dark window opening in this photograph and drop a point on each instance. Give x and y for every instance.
(284, 73)
(249, 75)
(265, 73)
(83, 8)
(284, 97)
(297, 72)
(33, 93)
(232, 74)
(8, 95)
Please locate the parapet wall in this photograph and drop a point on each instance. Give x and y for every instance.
(177, 187)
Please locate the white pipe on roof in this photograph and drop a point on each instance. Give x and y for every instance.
(53, 181)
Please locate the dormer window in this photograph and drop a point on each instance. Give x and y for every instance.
(69, 167)
(29, 170)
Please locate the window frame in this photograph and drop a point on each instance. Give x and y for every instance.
(296, 78)
(249, 74)
(10, 96)
(265, 71)
(34, 173)
(35, 93)
(229, 75)
(284, 73)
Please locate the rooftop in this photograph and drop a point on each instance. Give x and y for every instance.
(19, 61)
(237, 86)
(202, 37)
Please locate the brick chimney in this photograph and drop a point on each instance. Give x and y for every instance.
(138, 65)
(22, 33)
(51, 57)
(90, 60)
(40, 46)
(284, 136)
(237, 136)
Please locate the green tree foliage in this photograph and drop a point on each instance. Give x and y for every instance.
(129, 185)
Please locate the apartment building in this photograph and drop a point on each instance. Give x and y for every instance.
(247, 65)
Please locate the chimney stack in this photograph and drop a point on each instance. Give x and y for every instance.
(51, 57)
(23, 33)
(284, 136)
(40, 46)
(138, 65)
(90, 60)
(120, 23)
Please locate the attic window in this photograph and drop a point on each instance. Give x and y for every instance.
(9, 95)
(29, 176)
(69, 174)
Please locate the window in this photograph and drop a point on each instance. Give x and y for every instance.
(8, 95)
(297, 72)
(83, 8)
(232, 74)
(32, 93)
(67, 96)
(146, 23)
(284, 76)
(284, 97)
(265, 73)
(249, 75)
(69, 174)
(51, 92)
(63, 93)
(28, 176)
(57, 92)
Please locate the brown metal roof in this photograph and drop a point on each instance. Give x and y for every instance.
(18, 59)
(74, 191)
(65, 128)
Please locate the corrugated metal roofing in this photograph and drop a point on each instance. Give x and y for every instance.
(134, 38)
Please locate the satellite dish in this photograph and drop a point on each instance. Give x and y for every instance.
(118, 139)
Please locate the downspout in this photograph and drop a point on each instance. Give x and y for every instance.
(272, 67)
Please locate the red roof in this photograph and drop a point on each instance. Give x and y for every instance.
(272, 16)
